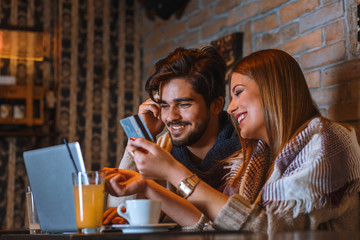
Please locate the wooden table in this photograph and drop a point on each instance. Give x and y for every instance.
(181, 235)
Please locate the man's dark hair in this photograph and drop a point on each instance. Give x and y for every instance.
(203, 68)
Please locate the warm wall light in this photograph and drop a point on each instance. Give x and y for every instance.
(23, 45)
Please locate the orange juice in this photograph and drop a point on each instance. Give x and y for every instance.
(89, 205)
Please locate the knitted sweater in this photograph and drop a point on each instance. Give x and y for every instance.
(314, 185)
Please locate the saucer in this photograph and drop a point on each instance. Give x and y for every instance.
(161, 227)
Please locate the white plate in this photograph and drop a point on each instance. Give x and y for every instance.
(161, 227)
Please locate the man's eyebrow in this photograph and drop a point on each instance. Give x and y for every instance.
(177, 100)
(184, 100)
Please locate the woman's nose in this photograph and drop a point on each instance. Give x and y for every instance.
(231, 108)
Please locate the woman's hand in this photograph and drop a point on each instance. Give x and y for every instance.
(155, 163)
(150, 113)
(123, 182)
(110, 216)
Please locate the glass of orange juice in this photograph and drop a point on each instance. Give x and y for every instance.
(89, 190)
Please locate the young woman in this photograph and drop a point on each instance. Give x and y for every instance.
(296, 171)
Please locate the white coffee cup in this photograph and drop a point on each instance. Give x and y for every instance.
(140, 211)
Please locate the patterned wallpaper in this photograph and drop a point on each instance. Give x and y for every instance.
(93, 63)
(99, 80)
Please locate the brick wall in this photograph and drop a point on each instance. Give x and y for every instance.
(320, 34)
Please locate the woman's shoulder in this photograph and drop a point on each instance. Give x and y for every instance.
(334, 136)
(322, 164)
(324, 146)
(326, 133)
(322, 124)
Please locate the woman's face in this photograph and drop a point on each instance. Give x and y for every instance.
(246, 106)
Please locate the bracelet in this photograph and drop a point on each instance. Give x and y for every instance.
(186, 186)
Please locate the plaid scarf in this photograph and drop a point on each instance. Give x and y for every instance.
(254, 178)
(316, 169)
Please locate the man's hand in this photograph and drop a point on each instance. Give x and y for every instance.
(150, 113)
(123, 182)
(155, 163)
(110, 216)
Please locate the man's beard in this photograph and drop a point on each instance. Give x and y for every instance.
(192, 137)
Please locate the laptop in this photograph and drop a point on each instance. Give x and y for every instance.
(50, 175)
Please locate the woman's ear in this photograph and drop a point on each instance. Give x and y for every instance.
(217, 105)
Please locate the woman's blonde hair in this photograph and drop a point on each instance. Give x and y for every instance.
(285, 97)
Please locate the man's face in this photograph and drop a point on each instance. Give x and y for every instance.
(184, 112)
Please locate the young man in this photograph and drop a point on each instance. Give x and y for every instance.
(187, 91)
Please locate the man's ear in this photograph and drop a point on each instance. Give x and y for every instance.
(217, 105)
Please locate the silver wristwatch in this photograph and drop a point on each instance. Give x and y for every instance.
(187, 186)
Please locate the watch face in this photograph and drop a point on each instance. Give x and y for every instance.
(187, 186)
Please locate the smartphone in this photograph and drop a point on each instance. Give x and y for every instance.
(135, 127)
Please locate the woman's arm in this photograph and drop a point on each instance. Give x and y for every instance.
(122, 182)
(177, 208)
(208, 200)
(155, 163)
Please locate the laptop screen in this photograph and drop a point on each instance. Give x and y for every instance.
(50, 175)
